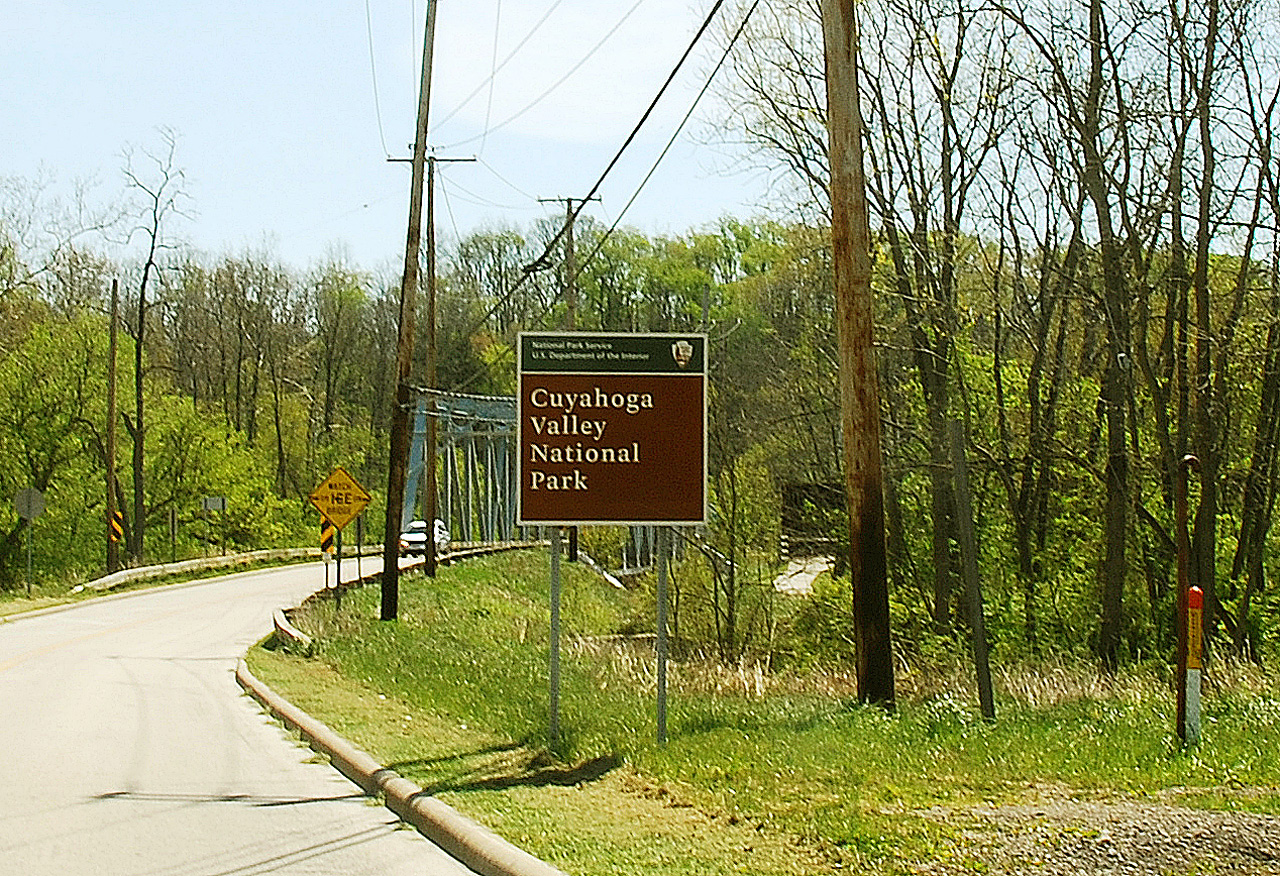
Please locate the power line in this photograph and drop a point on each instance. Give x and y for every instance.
(541, 262)
(481, 201)
(515, 188)
(671, 142)
(466, 100)
(414, 52)
(373, 73)
(448, 206)
(493, 73)
(574, 69)
(635, 132)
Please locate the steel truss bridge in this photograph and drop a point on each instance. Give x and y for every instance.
(476, 489)
(476, 447)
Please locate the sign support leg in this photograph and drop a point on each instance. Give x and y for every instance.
(664, 556)
(337, 571)
(555, 637)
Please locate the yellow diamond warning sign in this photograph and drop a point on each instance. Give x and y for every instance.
(340, 498)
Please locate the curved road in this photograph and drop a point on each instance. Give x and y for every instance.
(126, 747)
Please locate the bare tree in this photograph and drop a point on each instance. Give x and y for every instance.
(155, 180)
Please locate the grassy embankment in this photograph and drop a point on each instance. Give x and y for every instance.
(764, 773)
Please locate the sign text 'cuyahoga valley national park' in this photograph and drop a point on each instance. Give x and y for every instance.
(612, 428)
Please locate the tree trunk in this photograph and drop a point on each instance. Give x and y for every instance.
(1117, 372)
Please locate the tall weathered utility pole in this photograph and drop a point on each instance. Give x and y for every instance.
(113, 544)
(399, 458)
(430, 561)
(570, 264)
(570, 290)
(859, 385)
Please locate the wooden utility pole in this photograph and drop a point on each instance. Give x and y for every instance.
(113, 545)
(430, 560)
(570, 290)
(399, 458)
(859, 386)
(570, 264)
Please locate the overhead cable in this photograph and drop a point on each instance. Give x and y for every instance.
(498, 68)
(541, 262)
(373, 73)
(493, 74)
(541, 97)
(671, 142)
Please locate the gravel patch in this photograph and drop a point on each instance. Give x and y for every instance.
(1057, 835)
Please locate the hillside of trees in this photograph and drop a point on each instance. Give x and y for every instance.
(1077, 266)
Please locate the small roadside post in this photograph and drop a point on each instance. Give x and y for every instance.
(663, 646)
(328, 538)
(553, 667)
(1195, 648)
(337, 572)
(29, 504)
(1188, 464)
(359, 546)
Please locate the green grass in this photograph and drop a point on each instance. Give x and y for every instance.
(454, 694)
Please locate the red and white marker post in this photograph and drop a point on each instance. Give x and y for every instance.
(1195, 649)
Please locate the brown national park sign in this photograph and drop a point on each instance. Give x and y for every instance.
(612, 428)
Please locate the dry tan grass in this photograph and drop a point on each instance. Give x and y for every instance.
(1041, 683)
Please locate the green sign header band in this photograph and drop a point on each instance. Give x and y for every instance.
(606, 353)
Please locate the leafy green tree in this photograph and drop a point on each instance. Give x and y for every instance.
(51, 402)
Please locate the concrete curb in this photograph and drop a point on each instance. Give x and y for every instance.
(469, 842)
(290, 636)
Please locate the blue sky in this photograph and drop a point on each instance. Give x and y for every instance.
(279, 135)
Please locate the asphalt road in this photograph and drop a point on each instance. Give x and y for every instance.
(126, 747)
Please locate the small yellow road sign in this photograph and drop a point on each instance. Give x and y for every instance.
(340, 498)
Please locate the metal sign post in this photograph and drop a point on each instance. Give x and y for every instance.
(212, 503)
(554, 668)
(337, 573)
(1195, 649)
(29, 504)
(1181, 516)
(664, 557)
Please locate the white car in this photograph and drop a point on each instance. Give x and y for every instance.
(413, 541)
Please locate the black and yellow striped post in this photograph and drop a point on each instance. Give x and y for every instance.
(115, 525)
(328, 532)
(331, 543)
